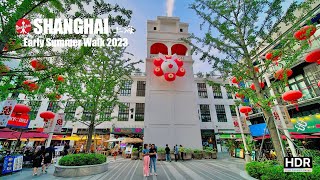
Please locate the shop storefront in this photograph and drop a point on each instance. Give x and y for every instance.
(127, 132)
(222, 138)
(208, 138)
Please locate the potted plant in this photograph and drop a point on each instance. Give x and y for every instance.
(230, 144)
(135, 154)
(188, 153)
(161, 154)
(197, 153)
(207, 152)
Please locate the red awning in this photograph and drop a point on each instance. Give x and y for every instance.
(298, 136)
(15, 135)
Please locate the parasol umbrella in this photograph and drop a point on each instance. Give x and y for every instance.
(93, 138)
(127, 140)
(137, 140)
(34, 134)
(72, 138)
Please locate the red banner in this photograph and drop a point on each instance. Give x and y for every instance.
(19, 120)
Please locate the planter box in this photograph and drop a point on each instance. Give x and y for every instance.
(207, 155)
(135, 155)
(188, 156)
(197, 155)
(214, 155)
(161, 156)
(77, 171)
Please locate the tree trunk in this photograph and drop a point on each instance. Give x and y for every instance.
(274, 137)
(91, 129)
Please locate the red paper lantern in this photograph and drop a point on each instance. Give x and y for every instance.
(256, 69)
(37, 65)
(273, 57)
(30, 85)
(47, 115)
(157, 61)
(170, 76)
(319, 84)
(58, 96)
(181, 72)
(313, 56)
(245, 110)
(21, 109)
(234, 80)
(254, 88)
(292, 97)
(179, 62)
(238, 95)
(305, 32)
(60, 78)
(158, 71)
(280, 73)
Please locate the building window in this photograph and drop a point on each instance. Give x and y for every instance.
(181, 30)
(301, 83)
(233, 110)
(34, 105)
(141, 88)
(86, 116)
(70, 110)
(154, 28)
(53, 106)
(205, 113)
(124, 112)
(106, 114)
(217, 94)
(139, 116)
(126, 88)
(221, 113)
(202, 90)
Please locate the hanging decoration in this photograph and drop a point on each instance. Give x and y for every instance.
(30, 85)
(274, 56)
(234, 80)
(305, 33)
(238, 95)
(313, 56)
(256, 69)
(46, 115)
(292, 97)
(60, 78)
(254, 88)
(245, 110)
(37, 65)
(280, 73)
(168, 66)
(21, 109)
(319, 83)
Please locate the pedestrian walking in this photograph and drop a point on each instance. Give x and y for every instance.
(146, 160)
(115, 151)
(66, 149)
(38, 159)
(167, 149)
(49, 153)
(176, 153)
(181, 152)
(153, 159)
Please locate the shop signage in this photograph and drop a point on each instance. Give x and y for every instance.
(306, 124)
(286, 117)
(19, 120)
(59, 118)
(12, 164)
(236, 124)
(244, 125)
(6, 108)
(127, 131)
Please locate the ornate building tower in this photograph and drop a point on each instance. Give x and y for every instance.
(171, 115)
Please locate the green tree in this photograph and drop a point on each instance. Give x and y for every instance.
(56, 60)
(95, 84)
(238, 30)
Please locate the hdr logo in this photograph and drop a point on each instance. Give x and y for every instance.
(297, 164)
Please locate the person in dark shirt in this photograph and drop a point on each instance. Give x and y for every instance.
(153, 159)
(49, 154)
(167, 149)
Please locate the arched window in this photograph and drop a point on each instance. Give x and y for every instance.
(157, 48)
(179, 49)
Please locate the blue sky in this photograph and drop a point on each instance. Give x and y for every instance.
(144, 10)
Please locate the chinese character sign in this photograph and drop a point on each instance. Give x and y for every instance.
(6, 108)
(236, 124)
(48, 126)
(244, 125)
(18, 120)
(59, 122)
